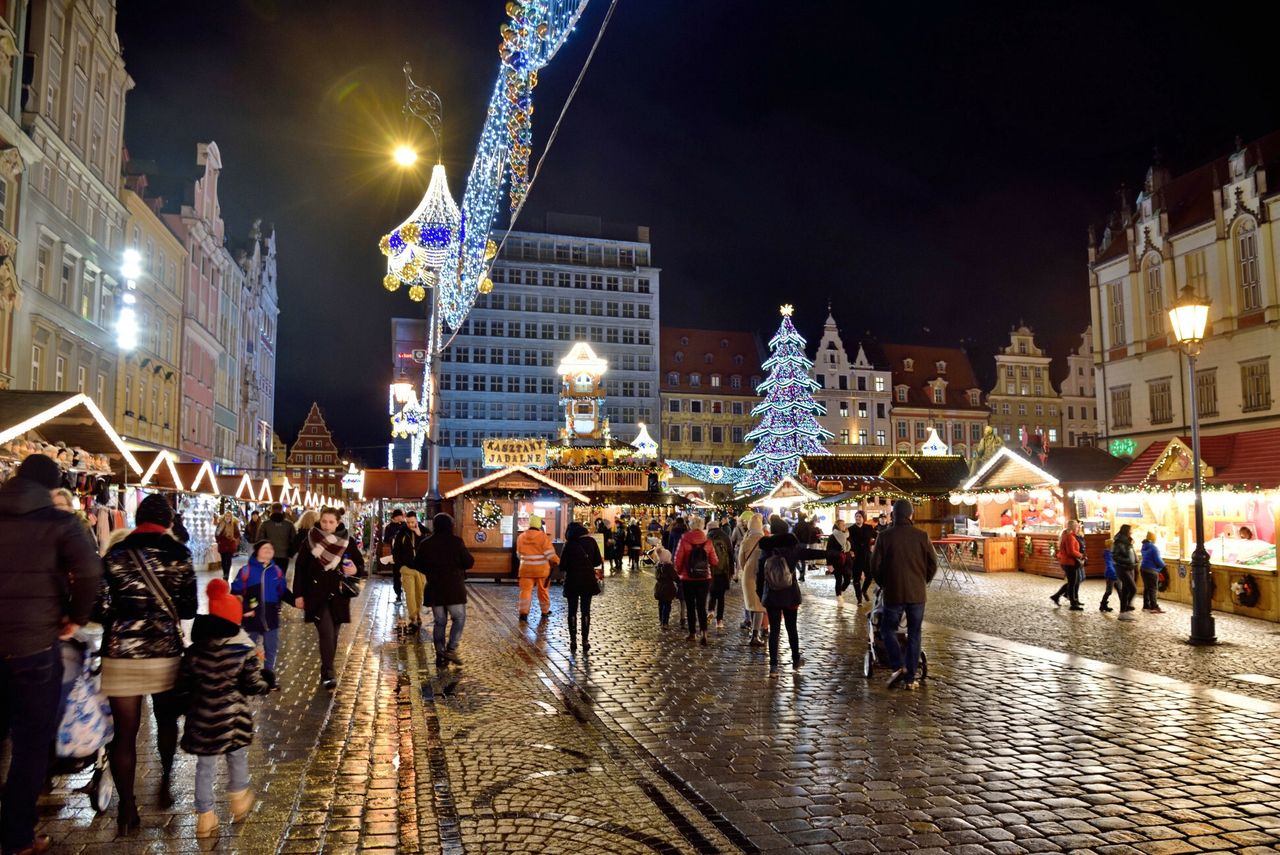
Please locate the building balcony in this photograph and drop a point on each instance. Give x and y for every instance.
(602, 479)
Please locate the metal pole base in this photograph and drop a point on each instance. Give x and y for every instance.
(1203, 633)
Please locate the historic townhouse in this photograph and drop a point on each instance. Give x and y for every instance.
(934, 387)
(1213, 228)
(1079, 410)
(709, 380)
(856, 394)
(71, 234)
(1023, 396)
(260, 302)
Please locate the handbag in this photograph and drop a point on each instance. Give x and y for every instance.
(152, 581)
(348, 586)
(86, 723)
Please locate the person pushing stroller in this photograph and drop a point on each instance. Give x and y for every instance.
(903, 565)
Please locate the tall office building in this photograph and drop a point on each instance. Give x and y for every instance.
(579, 279)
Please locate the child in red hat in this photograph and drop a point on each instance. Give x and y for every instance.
(219, 669)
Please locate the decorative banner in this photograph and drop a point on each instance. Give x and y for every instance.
(830, 488)
(501, 453)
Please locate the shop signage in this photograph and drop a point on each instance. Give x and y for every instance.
(500, 453)
(830, 488)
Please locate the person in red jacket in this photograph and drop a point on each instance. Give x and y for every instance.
(1071, 558)
(695, 556)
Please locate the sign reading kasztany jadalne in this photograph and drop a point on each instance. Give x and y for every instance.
(500, 453)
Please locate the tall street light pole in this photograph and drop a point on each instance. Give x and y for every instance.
(1189, 317)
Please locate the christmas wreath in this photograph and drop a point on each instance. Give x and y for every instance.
(487, 513)
(1245, 591)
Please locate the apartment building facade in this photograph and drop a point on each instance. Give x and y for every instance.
(934, 387)
(709, 380)
(1024, 397)
(855, 392)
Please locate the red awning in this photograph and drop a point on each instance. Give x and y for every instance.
(1248, 459)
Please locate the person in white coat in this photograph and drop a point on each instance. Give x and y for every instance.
(748, 556)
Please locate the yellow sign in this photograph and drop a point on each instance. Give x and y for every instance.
(830, 488)
(500, 453)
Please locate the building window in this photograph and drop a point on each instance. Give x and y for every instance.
(1207, 392)
(1250, 287)
(735, 381)
(821, 380)
(879, 384)
(1022, 409)
(880, 437)
(844, 409)
(717, 435)
(673, 378)
(939, 394)
(844, 437)
(920, 430)
(736, 433)
(1053, 436)
(1115, 294)
(673, 433)
(880, 411)
(862, 437)
(1255, 383)
(1121, 407)
(902, 430)
(715, 381)
(695, 379)
(1155, 301)
(737, 408)
(37, 358)
(975, 432)
(1160, 398)
(902, 394)
(957, 432)
(1198, 272)
(695, 405)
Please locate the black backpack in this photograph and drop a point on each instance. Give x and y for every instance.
(699, 564)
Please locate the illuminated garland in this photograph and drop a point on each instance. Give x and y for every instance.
(487, 513)
(788, 429)
(709, 474)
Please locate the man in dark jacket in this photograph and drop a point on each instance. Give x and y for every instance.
(903, 564)
(806, 534)
(389, 533)
(443, 558)
(49, 576)
(861, 538)
(281, 532)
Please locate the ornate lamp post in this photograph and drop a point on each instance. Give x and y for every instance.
(1189, 317)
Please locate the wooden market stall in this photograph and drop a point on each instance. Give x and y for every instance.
(1241, 487)
(1022, 499)
(494, 509)
(926, 479)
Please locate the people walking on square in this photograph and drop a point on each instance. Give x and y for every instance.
(49, 578)
(1071, 560)
(583, 568)
(1152, 565)
(677, 531)
(748, 561)
(251, 527)
(806, 534)
(634, 543)
(904, 564)
(1126, 561)
(385, 549)
(404, 550)
(1109, 573)
(721, 575)
(777, 583)
(443, 560)
(148, 589)
(537, 555)
(862, 539)
(262, 589)
(227, 536)
(840, 558)
(695, 561)
(665, 589)
(218, 670)
(281, 532)
(619, 535)
(324, 585)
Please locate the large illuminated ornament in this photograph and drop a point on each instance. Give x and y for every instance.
(788, 429)
(645, 445)
(582, 393)
(417, 248)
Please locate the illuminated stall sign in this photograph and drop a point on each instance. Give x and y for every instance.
(500, 453)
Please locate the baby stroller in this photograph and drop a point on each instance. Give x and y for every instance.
(875, 654)
(649, 557)
(85, 729)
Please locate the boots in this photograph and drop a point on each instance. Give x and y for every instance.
(206, 824)
(240, 803)
(573, 634)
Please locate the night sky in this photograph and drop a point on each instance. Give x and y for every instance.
(930, 168)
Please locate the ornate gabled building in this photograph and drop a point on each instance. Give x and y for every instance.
(854, 392)
(934, 387)
(709, 380)
(314, 462)
(1024, 397)
(1079, 410)
(260, 301)
(1214, 229)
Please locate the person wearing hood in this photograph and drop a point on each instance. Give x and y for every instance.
(148, 589)
(537, 556)
(695, 558)
(262, 588)
(779, 586)
(839, 558)
(748, 560)
(280, 531)
(1151, 567)
(324, 587)
(49, 578)
(904, 564)
(218, 670)
(444, 560)
(1125, 557)
(583, 568)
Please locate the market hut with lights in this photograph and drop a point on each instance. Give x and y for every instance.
(1240, 476)
(847, 483)
(1020, 498)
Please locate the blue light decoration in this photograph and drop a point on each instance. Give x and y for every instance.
(788, 428)
(417, 248)
(709, 474)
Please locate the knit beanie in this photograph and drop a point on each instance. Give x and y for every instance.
(221, 603)
(155, 509)
(902, 510)
(41, 469)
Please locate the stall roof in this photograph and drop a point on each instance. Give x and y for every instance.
(524, 471)
(59, 417)
(1247, 459)
(918, 474)
(1073, 467)
(623, 498)
(411, 485)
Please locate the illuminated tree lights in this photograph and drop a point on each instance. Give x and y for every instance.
(709, 474)
(788, 428)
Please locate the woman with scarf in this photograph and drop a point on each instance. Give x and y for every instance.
(148, 589)
(261, 586)
(323, 583)
(840, 558)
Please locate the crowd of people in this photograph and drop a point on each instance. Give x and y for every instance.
(1123, 563)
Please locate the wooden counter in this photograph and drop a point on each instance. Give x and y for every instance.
(1038, 554)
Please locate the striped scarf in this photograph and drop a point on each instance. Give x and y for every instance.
(328, 549)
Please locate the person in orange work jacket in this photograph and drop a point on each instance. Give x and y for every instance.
(537, 555)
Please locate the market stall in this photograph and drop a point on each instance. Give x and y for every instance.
(1241, 487)
(494, 509)
(1021, 499)
(925, 479)
(384, 490)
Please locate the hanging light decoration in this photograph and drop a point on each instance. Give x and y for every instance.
(417, 248)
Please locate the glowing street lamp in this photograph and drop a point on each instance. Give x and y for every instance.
(1189, 317)
(404, 155)
(402, 389)
(127, 321)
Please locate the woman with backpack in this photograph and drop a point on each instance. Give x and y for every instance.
(583, 568)
(779, 588)
(695, 558)
(721, 574)
(1126, 561)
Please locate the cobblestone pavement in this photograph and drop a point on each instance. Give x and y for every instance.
(652, 744)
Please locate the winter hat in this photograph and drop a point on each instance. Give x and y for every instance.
(221, 603)
(902, 510)
(777, 525)
(40, 469)
(261, 543)
(155, 509)
(535, 521)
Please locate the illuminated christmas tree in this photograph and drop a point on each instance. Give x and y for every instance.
(787, 429)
